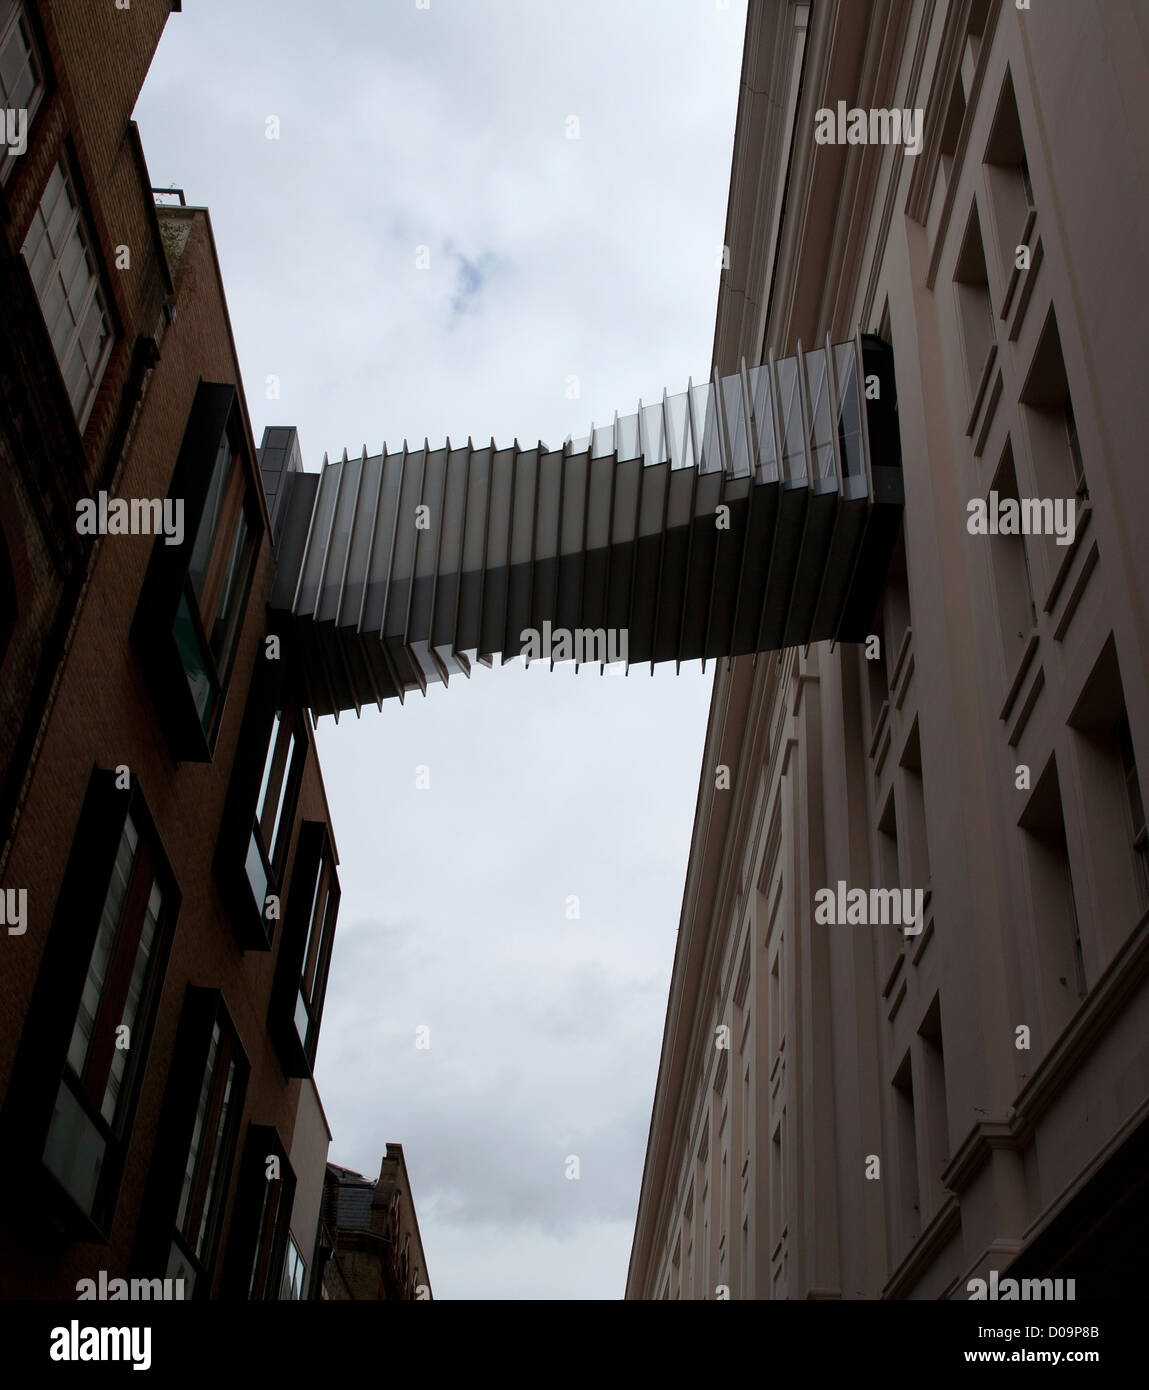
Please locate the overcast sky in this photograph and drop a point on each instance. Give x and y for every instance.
(566, 277)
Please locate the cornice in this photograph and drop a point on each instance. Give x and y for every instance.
(943, 1226)
(1124, 974)
(1120, 979)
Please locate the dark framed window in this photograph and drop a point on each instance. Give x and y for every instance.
(204, 1190)
(296, 1009)
(317, 953)
(259, 1232)
(93, 1098)
(180, 1227)
(219, 571)
(86, 1041)
(188, 621)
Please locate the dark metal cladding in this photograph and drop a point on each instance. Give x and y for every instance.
(754, 512)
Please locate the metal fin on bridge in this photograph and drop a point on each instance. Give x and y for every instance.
(754, 512)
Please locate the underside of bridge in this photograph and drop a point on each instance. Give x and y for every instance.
(755, 512)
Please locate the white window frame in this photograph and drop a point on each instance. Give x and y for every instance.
(76, 228)
(16, 26)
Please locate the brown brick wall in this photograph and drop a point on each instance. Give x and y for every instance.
(72, 688)
(96, 58)
(103, 714)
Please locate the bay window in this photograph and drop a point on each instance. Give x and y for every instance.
(296, 1009)
(258, 1237)
(181, 1220)
(194, 596)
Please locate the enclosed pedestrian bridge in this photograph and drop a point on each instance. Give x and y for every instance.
(754, 512)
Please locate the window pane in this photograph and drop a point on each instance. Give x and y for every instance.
(11, 61)
(55, 198)
(279, 824)
(314, 922)
(789, 395)
(603, 441)
(679, 446)
(291, 1286)
(74, 268)
(207, 1220)
(275, 807)
(102, 950)
(39, 255)
(821, 427)
(74, 1150)
(15, 63)
(24, 85)
(180, 1267)
(121, 1056)
(256, 873)
(654, 434)
(705, 426)
(209, 520)
(760, 391)
(849, 410)
(736, 425)
(195, 662)
(273, 744)
(77, 379)
(63, 270)
(231, 595)
(323, 957)
(59, 212)
(93, 332)
(197, 1132)
(267, 1212)
(628, 437)
(55, 308)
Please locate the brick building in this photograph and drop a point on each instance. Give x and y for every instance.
(373, 1234)
(167, 847)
